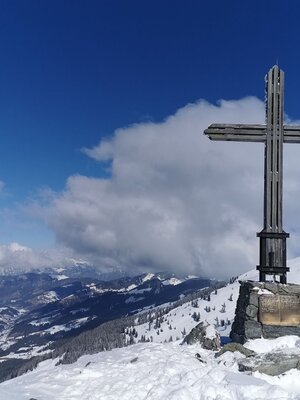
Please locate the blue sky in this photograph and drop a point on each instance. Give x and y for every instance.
(72, 72)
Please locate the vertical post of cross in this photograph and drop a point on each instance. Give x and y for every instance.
(272, 237)
(272, 259)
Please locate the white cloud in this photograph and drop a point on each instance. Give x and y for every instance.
(175, 201)
(14, 257)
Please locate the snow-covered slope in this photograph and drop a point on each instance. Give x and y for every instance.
(169, 371)
(151, 371)
(36, 308)
(217, 310)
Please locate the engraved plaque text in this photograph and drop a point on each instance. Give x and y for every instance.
(279, 310)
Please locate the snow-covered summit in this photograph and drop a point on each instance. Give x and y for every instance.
(159, 367)
(151, 371)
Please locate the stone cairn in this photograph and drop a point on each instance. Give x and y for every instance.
(266, 309)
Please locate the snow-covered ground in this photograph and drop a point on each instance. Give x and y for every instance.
(163, 370)
(179, 321)
(152, 371)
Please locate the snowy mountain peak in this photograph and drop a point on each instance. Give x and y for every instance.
(148, 277)
(172, 281)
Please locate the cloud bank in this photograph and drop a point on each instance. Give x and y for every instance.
(14, 258)
(175, 200)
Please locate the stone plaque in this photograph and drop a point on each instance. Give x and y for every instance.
(279, 310)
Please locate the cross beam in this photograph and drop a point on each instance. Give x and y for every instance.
(273, 134)
(250, 133)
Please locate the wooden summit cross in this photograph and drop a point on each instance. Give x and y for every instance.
(273, 134)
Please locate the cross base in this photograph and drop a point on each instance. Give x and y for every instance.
(272, 255)
(280, 271)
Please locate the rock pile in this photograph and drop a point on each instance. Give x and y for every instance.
(206, 335)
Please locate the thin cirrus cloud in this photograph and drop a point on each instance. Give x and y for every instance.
(175, 200)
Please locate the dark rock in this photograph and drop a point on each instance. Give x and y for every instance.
(278, 288)
(251, 312)
(235, 347)
(253, 299)
(271, 287)
(206, 335)
(236, 338)
(270, 363)
(253, 330)
(275, 331)
(199, 358)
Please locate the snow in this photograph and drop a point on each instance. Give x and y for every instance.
(172, 281)
(130, 287)
(59, 269)
(264, 291)
(95, 289)
(180, 318)
(61, 277)
(133, 299)
(124, 290)
(210, 332)
(48, 297)
(148, 277)
(150, 371)
(40, 322)
(67, 327)
(56, 328)
(281, 343)
(167, 371)
(27, 352)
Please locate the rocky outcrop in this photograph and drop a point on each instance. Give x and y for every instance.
(270, 363)
(232, 347)
(206, 335)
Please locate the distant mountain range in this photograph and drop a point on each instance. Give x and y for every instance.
(65, 319)
(42, 309)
